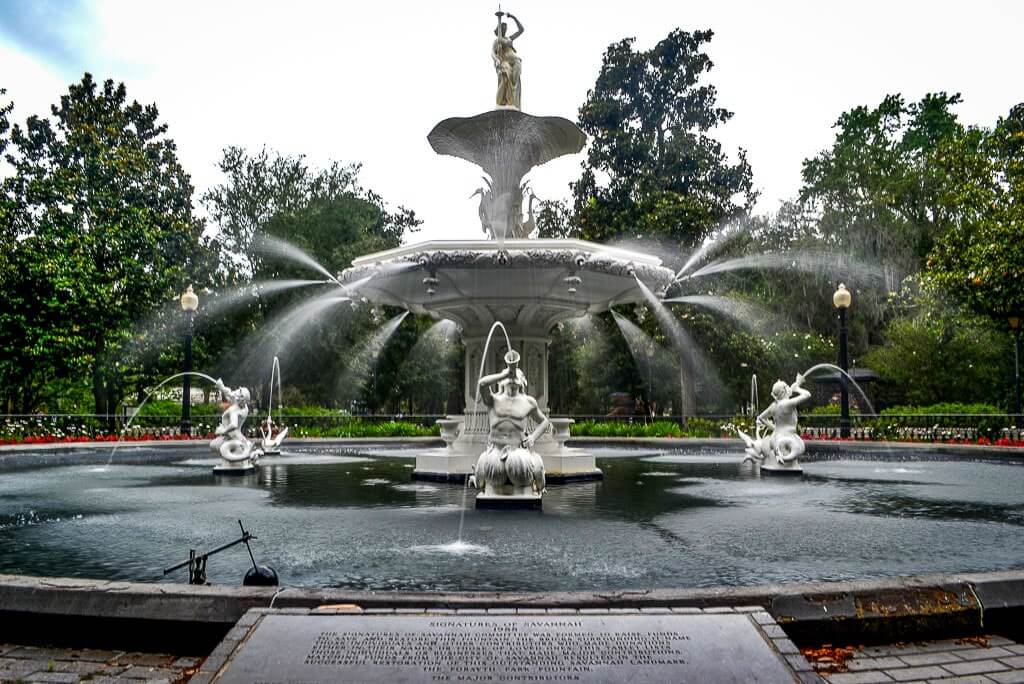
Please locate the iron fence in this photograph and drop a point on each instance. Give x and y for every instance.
(946, 427)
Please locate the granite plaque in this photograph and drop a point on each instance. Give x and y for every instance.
(294, 649)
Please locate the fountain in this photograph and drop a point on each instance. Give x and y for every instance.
(529, 284)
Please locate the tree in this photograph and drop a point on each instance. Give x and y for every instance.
(653, 171)
(936, 353)
(875, 190)
(979, 261)
(270, 186)
(105, 230)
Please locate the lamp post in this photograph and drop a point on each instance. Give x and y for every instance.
(1015, 327)
(189, 303)
(842, 299)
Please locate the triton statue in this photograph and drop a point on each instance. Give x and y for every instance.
(778, 451)
(510, 467)
(237, 453)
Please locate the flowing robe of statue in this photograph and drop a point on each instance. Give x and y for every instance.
(509, 68)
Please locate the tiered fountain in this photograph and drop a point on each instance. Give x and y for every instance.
(529, 284)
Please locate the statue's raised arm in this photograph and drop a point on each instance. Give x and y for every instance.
(485, 385)
(519, 26)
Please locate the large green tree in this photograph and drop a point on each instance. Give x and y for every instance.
(875, 190)
(653, 169)
(980, 260)
(102, 217)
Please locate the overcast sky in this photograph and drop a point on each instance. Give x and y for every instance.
(366, 81)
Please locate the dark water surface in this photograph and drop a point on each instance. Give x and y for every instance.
(659, 519)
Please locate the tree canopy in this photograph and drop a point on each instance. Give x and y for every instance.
(653, 169)
(100, 220)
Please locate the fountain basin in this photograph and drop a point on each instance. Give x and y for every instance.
(692, 517)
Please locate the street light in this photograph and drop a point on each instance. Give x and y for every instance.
(842, 300)
(189, 304)
(1015, 327)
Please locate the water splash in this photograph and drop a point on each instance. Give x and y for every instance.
(649, 357)
(849, 378)
(818, 263)
(275, 368)
(128, 423)
(165, 327)
(479, 419)
(271, 246)
(686, 347)
(364, 360)
(711, 243)
(277, 334)
(456, 548)
(747, 314)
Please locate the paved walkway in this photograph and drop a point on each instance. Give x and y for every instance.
(974, 660)
(69, 666)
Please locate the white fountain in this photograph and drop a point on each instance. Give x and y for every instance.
(529, 284)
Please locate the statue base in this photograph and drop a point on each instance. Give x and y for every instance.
(454, 462)
(793, 470)
(239, 468)
(530, 501)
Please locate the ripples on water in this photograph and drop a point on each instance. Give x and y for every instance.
(656, 520)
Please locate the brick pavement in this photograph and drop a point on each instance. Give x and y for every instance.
(979, 660)
(95, 666)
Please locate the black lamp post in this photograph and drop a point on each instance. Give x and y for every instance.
(842, 299)
(1015, 327)
(189, 303)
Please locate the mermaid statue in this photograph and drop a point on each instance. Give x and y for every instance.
(509, 467)
(237, 453)
(779, 450)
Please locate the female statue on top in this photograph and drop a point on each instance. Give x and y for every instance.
(507, 63)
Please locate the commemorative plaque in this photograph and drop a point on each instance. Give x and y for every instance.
(289, 649)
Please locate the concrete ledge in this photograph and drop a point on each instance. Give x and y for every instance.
(892, 609)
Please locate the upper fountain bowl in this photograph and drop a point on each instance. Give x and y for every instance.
(506, 143)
